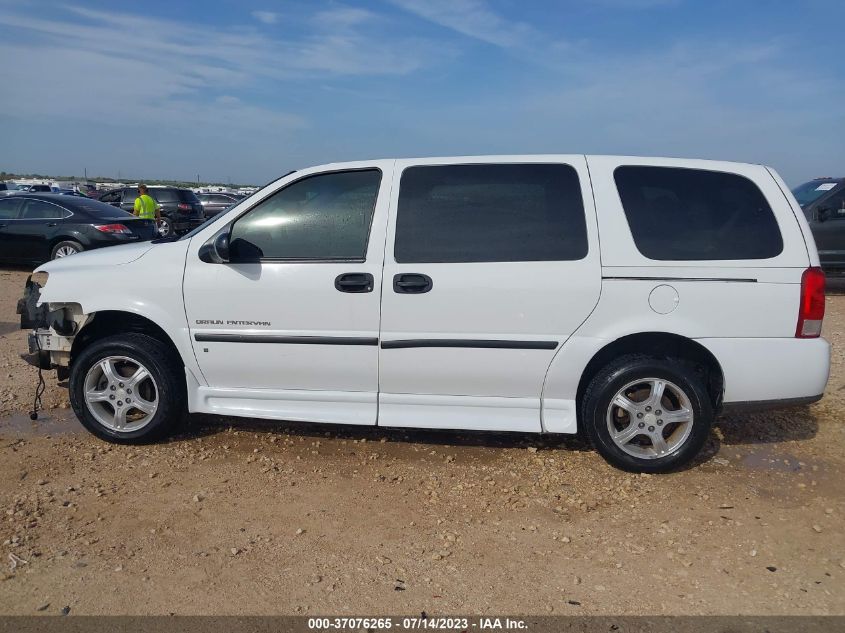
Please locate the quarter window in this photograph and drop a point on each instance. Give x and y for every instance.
(322, 217)
(693, 214)
(490, 213)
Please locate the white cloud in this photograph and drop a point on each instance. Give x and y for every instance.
(472, 18)
(267, 17)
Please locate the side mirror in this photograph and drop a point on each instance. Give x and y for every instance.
(822, 214)
(216, 250)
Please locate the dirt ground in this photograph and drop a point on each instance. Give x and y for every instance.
(248, 517)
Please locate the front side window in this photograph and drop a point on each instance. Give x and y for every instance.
(321, 217)
(834, 206)
(490, 213)
(678, 214)
(9, 208)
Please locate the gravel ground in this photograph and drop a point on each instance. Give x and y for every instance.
(250, 517)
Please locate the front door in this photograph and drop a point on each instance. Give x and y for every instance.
(827, 220)
(489, 268)
(38, 223)
(288, 328)
(10, 249)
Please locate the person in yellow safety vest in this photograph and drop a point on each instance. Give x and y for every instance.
(145, 207)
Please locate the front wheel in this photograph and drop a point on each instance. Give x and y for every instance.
(128, 388)
(165, 227)
(646, 414)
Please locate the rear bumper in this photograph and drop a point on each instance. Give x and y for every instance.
(771, 372)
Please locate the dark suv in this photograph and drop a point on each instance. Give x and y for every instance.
(181, 210)
(823, 203)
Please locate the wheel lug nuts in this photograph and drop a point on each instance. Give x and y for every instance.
(128, 401)
(648, 408)
(660, 423)
(111, 397)
(129, 391)
(640, 415)
(658, 412)
(650, 429)
(112, 387)
(641, 424)
(120, 384)
(120, 403)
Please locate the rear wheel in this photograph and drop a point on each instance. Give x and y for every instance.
(128, 388)
(66, 248)
(646, 414)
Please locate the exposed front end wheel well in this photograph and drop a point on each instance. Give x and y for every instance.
(110, 322)
(659, 345)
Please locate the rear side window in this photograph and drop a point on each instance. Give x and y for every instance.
(130, 194)
(185, 195)
(490, 213)
(163, 195)
(40, 210)
(694, 214)
(321, 217)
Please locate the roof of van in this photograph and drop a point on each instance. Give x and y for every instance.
(547, 157)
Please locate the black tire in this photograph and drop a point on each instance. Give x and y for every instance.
(64, 246)
(615, 376)
(163, 365)
(165, 227)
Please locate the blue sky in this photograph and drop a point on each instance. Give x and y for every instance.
(245, 91)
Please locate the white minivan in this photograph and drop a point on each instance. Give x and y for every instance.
(629, 298)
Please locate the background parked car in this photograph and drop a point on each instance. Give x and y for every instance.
(33, 188)
(36, 227)
(8, 186)
(823, 202)
(181, 210)
(214, 203)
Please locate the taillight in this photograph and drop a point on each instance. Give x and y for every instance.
(811, 308)
(113, 228)
(183, 206)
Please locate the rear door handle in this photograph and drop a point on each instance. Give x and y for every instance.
(53, 224)
(411, 283)
(354, 282)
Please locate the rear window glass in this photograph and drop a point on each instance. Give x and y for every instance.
(130, 194)
(490, 213)
(693, 214)
(99, 209)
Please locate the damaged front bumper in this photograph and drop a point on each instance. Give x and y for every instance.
(53, 329)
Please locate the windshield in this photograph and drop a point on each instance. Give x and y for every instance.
(811, 191)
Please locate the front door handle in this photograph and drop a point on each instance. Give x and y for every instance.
(411, 283)
(354, 282)
(52, 224)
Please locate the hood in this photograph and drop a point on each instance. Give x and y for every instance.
(107, 256)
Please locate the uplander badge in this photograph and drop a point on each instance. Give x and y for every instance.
(230, 322)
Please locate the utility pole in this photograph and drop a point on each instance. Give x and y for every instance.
(86, 174)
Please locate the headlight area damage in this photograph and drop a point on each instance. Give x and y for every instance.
(53, 326)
